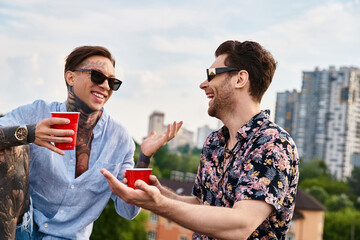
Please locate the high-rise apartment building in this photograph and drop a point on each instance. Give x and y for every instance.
(156, 122)
(326, 118)
(202, 134)
(285, 109)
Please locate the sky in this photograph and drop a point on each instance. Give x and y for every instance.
(163, 47)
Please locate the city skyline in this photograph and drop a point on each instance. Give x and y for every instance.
(323, 118)
(162, 49)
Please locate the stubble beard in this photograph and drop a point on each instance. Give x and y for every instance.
(222, 105)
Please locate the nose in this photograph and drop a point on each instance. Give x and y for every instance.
(204, 84)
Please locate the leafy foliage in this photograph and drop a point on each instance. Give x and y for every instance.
(318, 193)
(341, 199)
(165, 161)
(111, 226)
(313, 169)
(354, 181)
(342, 225)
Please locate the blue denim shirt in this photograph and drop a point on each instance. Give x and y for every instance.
(65, 207)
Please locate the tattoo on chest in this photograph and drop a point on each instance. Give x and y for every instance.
(83, 149)
(83, 143)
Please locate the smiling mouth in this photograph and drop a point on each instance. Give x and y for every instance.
(210, 95)
(98, 95)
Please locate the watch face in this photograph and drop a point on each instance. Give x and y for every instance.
(21, 133)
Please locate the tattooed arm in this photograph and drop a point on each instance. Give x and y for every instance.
(143, 161)
(14, 181)
(8, 139)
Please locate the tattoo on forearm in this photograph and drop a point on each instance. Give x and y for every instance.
(143, 161)
(7, 138)
(14, 188)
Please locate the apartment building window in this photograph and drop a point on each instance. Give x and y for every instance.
(288, 115)
(347, 95)
(152, 235)
(153, 217)
(344, 94)
(183, 238)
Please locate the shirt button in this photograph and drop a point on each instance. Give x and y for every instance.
(61, 211)
(71, 161)
(72, 186)
(46, 225)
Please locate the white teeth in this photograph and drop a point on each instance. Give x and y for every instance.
(99, 95)
(210, 95)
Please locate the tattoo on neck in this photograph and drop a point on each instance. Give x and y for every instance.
(87, 121)
(75, 104)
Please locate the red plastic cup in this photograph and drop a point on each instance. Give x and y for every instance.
(73, 125)
(137, 173)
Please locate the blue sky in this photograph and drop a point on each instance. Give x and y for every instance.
(162, 48)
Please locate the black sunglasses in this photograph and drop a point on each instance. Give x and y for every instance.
(98, 78)
(212, 72)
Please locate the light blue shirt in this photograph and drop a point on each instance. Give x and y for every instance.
(65, 207)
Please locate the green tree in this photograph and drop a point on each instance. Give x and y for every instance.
(341, 225)
(137, 152)
(312, 169)
(196, 151)
(111, 226)
(337, 203)
(331, 186)
(318, 193)
(354, 181)
(185, 149)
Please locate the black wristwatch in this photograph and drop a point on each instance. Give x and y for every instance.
(21, 133)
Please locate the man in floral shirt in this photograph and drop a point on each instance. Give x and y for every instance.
(260, 167)
(248, 173)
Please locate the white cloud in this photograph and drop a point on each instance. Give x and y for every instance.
(162, 48)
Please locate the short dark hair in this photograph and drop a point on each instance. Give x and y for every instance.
(253, 58)
(79, 54)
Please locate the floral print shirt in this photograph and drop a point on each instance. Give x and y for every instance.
(262, 166)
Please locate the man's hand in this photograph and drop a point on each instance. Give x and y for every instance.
(153, 142)
(45, 134)
(144, 196)
(153, 180)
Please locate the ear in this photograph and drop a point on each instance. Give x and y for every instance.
(242, 79)
(70, 78)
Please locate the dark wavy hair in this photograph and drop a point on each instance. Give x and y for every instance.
(253, 58)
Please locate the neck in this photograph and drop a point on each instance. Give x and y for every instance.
(88, 117)
(238, 118)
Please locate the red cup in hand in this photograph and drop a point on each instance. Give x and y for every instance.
(137, 173)
(73, 125)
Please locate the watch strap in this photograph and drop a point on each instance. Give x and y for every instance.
(31, 133)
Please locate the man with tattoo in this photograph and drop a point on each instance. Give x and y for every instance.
(47, 193)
